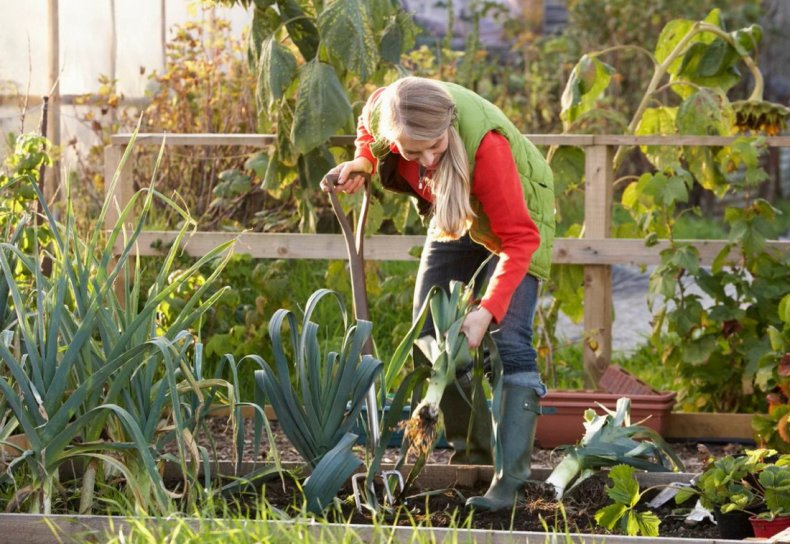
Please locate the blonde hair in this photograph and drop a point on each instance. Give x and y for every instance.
(421, 109)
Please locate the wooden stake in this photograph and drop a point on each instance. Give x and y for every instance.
(597, 278)
(52, 182)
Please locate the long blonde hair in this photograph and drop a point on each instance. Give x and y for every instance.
(421, 109)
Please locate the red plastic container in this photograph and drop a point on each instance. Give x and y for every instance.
(764, 528)
(566, 424)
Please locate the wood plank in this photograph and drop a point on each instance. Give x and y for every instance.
(706, 426)
(282, 246)
(581, 140)
(597, 322)
(599, 176)
(123, 190)
(397, 247)
(633, 251)
(678, 140)
(247, 140)
(680, 425)
(42, 529)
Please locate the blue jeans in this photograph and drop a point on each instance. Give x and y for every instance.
(442, 262)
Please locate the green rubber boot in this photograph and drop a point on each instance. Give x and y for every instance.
(471, 446)
(520, 409)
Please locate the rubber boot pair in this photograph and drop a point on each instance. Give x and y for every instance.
(467, 427)
(515, 428)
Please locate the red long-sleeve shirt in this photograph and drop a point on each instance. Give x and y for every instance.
(496, 184)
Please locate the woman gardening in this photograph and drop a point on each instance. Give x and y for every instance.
(487, 190)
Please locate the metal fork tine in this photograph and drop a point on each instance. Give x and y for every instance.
(389, 499)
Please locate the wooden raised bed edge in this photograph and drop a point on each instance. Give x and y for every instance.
(40, 529)
(701, 426)
(433, 476)
(35, 529)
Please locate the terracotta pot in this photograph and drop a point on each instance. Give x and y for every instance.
(764, 528)
(9, 452)
(566, 424)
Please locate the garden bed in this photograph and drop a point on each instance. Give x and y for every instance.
(693, 453)
(433, 515)
(39, 529)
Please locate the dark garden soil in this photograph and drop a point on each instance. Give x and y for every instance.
(693, 454)
(537, 512)
(442, 508)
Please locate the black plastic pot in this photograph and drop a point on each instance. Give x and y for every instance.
(733, 525)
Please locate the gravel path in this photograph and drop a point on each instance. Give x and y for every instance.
(632, 317)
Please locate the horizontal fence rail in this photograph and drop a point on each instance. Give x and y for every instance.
(596, 251)
(603, 251)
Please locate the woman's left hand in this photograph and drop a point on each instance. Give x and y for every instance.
(475, 326)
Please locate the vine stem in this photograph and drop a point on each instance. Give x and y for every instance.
(680, 49)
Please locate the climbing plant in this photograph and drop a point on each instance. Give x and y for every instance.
(714, 339)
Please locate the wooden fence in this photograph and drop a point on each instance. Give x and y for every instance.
(596, 250)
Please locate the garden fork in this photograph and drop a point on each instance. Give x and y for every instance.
(356, 261)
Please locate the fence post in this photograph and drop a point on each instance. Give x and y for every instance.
(599, 178)
(123, 189)
(119, 198)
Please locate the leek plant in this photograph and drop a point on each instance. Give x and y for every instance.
(85, 369)
(318, 399)
(443, 355)
(446, 351)
(610, 440)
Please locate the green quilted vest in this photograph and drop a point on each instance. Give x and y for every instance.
(476, 117)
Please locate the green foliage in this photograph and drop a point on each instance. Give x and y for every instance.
(713, 340)
(310, 394)
(588, 80)
(772, 429)
(311, 58)
(737, 483)
(611, 439)
(88, 373)
(626, 495)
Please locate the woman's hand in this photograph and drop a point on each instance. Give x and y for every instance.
(475, 326)
(346, 182)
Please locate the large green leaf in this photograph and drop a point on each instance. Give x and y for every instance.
(313, 165)
(643, 523)
(322, 106)
(659, 120)
(300, 27)
(625, 488)
(264, 23)
(391, 45)
(567, 165)
(380, 12)
(675, 31)
(588, 81)
(276, 71)
(705, 113)
(608, 516)
(330, 474)
(346, 30)
(702, 66)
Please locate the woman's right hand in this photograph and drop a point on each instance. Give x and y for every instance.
(346, 182)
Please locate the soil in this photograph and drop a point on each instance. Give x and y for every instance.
(538, 511)
(693, 454)
(442, 508)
